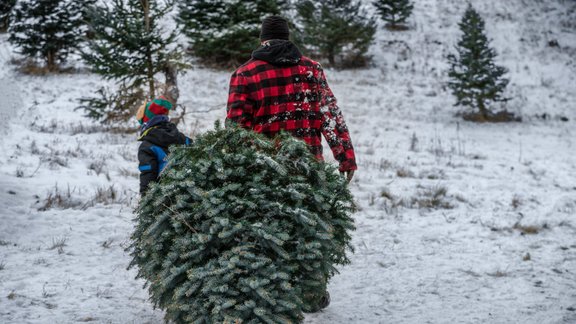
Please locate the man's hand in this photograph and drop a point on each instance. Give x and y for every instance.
(348, 174)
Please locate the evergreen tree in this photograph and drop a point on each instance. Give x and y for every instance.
(476, 80)
(332, 28)
(6, 7)
(394, 12)
(47, 29)
(128, 44)
(224, 32)
(241, 229)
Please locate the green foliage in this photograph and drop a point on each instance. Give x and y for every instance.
(475, 80)
(128, 42)
(241, 227)
(47, 29)
(394, 12)
(112, 108)
(334, 29)
(6, 7)
(224, 33)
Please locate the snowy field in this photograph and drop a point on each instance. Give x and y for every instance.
(458, 222)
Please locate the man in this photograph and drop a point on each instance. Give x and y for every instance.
(280, 89)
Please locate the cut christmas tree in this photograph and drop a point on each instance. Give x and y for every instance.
(242, 229)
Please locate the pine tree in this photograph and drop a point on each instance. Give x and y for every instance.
(6, 7)
(476, 80)
(47, 29)
(241, 229)
(128, 43)
(394, 12)
(224, 32)
(336, 28)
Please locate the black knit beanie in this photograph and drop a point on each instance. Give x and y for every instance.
(274, 27)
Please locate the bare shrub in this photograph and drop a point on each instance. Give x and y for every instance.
(55, 161)
(529, 229)
(76, 152)
(498, 274)
(58, 199)
(391, 203)
(40, 261)
(80, 128)
(107, 244)
(404, 173)
(34, 148)
(385, 193)
(97, 166)
(437, 148)
(5, 243)
(125, 172)
(107, 196)
(499, 117)
(435, 197)
(58, 243)
(414, 143)
(50, 128)
(45, 293)
(128, 153)
(434, 174)
(381, 165)
(516, 202)
(371, 199)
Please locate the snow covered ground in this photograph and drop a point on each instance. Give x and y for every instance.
(458, 222)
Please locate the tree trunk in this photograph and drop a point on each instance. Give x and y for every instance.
(171, 80)
(482, 107)
(171, 77)
(331, 57)
(149, 62)
(51, 60)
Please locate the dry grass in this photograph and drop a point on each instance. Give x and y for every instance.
(516, 202)
(435, 197)
(58, 243)
(529, 229)
(97, 166)
(6, 243)
(404, 173)
(127, 173)
(414, 143)
(499, 117)
(107, 244)
(107, 196)
(498, 274)
(59, 199)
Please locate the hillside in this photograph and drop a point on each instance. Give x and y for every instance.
(457, 223)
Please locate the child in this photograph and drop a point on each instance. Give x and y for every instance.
(157, 133)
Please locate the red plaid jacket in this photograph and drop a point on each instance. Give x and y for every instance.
(296, 98)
